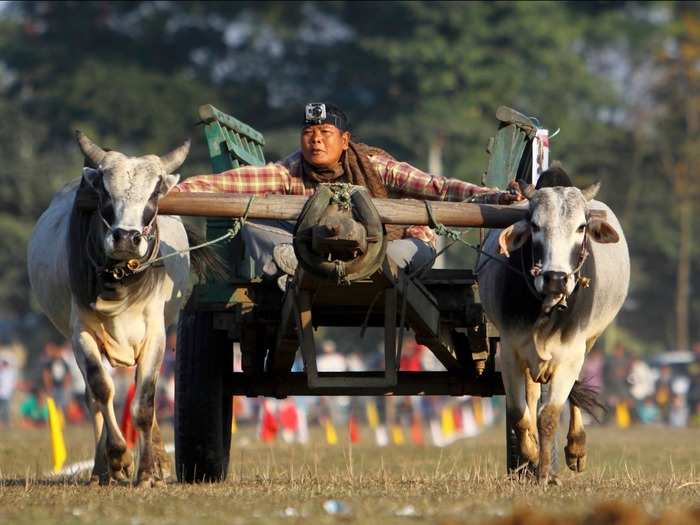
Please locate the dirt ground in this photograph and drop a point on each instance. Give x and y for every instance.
(649, 474)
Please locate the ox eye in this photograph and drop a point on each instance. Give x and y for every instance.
(581, 228)
(535, 227)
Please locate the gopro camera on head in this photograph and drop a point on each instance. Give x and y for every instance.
(315, 112)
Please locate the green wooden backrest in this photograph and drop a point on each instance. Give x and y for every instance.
(510, 157)
(231, 142)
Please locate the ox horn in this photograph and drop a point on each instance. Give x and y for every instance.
(92, 151)
(528, 190)
(176, 157)
(591, 191)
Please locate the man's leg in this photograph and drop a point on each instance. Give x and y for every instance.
(410, 253)
(260, 238)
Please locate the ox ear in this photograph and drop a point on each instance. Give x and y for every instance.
(600, 231)
(91, 177)
(513, 237)
(591, 191)
(168, 182)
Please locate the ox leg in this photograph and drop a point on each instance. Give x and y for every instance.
(161, 458)
(560, 387)
(100, 469)
(144, 410)
(514, 381)
(111, 445)
(575, 449)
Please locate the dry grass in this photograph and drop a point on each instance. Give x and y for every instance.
(652, 470)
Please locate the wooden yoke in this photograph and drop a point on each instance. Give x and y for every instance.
(391, 211)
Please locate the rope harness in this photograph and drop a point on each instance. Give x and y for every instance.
(536, 269)
(125, 269)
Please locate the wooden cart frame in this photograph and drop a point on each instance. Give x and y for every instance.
(441, 306)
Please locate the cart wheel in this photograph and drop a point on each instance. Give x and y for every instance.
(203, 404)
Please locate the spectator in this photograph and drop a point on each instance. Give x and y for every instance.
(56, 376)
(641, 379)
(678, 411)
(662, 395)
(694, 388)
(592, 370)
(33, 409)
(330, 359)
(615, 372)
(648, 412)
(8, 381)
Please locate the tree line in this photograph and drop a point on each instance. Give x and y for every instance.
(620, 80)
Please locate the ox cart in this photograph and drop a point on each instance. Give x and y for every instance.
(344, 279)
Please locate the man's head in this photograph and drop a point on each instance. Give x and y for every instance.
(325, 135)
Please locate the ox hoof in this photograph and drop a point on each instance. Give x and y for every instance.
(529, 449)
(149, 481)
(575, 452)
(575, 461)
(120, 462)
(545, 480)
(97, 480)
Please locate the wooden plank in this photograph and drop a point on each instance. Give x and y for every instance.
(282, 358)
(391, 211)
(367, 384)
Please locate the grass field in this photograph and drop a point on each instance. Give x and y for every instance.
(655, 469)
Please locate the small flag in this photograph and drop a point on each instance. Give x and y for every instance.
(448, 423)
(381, 435)
(268, 424)
(58, 446)
(417, 430)
(353, 430)
(457, 418)
(127, 426)
(469, 428)
(478, 412)
(622, 415)
(372, 414)
(397, 435)
(331, 435)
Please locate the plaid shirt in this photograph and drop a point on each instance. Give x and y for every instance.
(285, 177)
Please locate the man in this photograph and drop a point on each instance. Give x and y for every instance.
(327, 154)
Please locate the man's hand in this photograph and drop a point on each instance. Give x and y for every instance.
(511, 195)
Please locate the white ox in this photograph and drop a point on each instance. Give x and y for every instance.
(568, 278)
(75, 259)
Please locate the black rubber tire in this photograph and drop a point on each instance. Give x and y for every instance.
(203, 407)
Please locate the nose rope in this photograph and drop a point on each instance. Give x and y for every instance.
(581, 280)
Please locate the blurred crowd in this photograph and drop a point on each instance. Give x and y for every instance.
(663, 389)
(25, 386)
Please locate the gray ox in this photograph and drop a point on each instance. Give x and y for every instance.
(571, 275)
(75, 259)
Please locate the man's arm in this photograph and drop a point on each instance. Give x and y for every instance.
(404, 179)
(252, 180)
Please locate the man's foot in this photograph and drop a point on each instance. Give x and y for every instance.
(285, 258)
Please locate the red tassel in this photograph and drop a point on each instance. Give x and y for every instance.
(127, 426)
(268, 426)
(353, 430)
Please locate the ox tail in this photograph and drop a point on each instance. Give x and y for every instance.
(206, 262)
(585, 397)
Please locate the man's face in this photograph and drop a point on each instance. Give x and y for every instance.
(323, 144)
